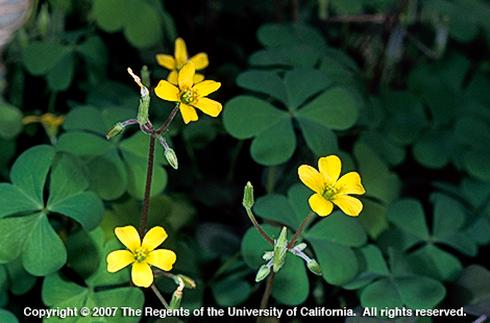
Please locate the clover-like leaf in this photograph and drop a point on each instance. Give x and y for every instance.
(24, 225)
(116, 166)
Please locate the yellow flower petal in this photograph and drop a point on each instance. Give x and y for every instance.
(129, 237)
(119, 259)
(186, 76)
(141, 274)
(330, 168)
(166, 61)
(200, 60)
(208, 106)
(154, 238)
(320, 205)
(311, 178)
(206, 87)
(188, 113)
(350, 183)
(173, 77)
(198, 78)
(180, 52)
(348, 204)
(167, 91)
(162, 258)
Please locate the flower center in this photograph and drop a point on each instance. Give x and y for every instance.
(140, 254)
(329, 192)
(188, 96)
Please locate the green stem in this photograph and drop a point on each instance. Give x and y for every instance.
(169, 119)
(300, 230)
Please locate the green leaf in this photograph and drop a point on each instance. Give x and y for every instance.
(110, 15)
(408, 215)
(321, 140)
(339, 264)
(382, 293)
(377, 179)
(263, 82)
(13, 234)
(291, 285)
(143, 27)
(20, 280)
(336, 108)
(290, 210)
(86, 118)
(108, 176)
(30, 170)
(277, 35)
(67, 179)
(44, 252)
(258, 114)
(276, 207)
(297, 55)
(7, 317)
(13, 200)
(412, 291)
(274, 145)
(10, 121)
(476, 162)
(420, 292)
(434, 262)
(85, 207)
(302, 84)
(83, 144)
(40, 57)
(373, 218)
(136, 170)
(60, 76)
(331, 238)
(232, 290)
(338, 229)
(386, 149)
(431, 150)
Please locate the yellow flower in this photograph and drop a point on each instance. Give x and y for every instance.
(141, 255)
(190, 95)
(181, 58)
(49, 121)
(330, 189)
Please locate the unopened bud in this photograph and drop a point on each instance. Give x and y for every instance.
(248, 196)
(176, 299)
(115, 130)
(268, 255)
(280, 250)
(262, 273)
(314, 267)
(171, 158)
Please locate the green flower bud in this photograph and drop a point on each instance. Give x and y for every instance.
(171, 158)
(115, 130)
(248, 196)
(176, 299)
(280, 250)
(314, 267)
(262, 273)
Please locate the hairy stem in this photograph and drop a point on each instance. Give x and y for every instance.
(258, 227)
(159, 296)
(300, 230)
(267, 293)
(149, 175)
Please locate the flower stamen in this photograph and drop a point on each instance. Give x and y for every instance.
(140, 254)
